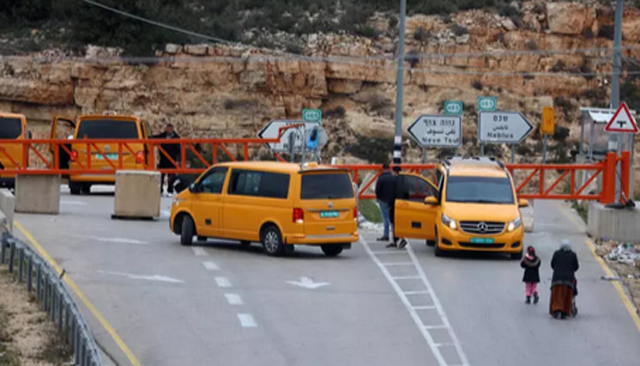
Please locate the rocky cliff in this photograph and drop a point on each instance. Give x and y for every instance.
(221, 91)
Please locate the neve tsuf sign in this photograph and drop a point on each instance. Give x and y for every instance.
(295, 135)
(312, 115)
(487, 104)
(548, 121)
(453, 107)
(622, 121)
(503, 127)
(437, 131)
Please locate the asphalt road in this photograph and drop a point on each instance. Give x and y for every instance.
(216, 303)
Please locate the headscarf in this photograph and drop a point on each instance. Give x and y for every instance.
(566, 245)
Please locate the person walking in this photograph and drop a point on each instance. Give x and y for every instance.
(398, 192)
(173, 151)
(531, 264)
(384, 195)
(563, 283)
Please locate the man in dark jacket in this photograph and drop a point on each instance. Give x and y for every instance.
(173, 151)
(398, 193)
(564, 264)
(384, 195)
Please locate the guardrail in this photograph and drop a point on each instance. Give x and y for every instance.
(53, 296)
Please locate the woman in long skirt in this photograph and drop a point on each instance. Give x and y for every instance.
(564, 264)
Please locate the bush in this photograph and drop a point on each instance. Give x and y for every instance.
(374, 150)
(421, 35)
(459, 30)
(477, 85)
(559, 66)
(561, 133)
(531, 45)
(606, 31)
(337, 112)
(413, 58)
(369, 32)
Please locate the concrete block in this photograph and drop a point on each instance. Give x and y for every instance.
(617, 225)
(4, 223)
(38, 194)
(527, 217)
(137, 194)
(7, 207)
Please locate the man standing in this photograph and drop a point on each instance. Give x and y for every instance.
(384, 195)
(398, 193)
(173, 151)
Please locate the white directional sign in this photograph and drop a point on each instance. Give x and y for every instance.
(503, 127)
(270, 131)
(622, 121)
(437, 131)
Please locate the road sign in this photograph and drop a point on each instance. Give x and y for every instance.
(270, 131)
(312, 115)
(487, 104)
(503, 127)
(437, 131)
(453, 107)
(548, 121)
(622, 121)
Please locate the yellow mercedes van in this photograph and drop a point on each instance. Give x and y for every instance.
(277, 204)
(101, 127)
(13, 127)
(474, 207)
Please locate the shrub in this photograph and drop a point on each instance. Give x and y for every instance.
(374, 150)
(561, 133)
(337, 112)
(477, 84)
(459, 30)
(369, 32)
(421, 35)
(531, 45)
(413, 58)
(606, 31)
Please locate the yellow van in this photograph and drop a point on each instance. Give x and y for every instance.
(277, 204)
(13, 127)
(473, 208)
(101, 127)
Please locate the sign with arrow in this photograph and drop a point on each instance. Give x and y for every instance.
(503, 127)
(622, 121)
(308, 283)
(437, 131)
(295, 135)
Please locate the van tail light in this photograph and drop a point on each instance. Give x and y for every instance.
(140, 157)
(298, 215)
(355, 213)
(74, 155)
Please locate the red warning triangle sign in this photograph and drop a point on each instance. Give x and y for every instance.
(622, 121)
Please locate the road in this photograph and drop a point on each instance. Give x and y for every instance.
(216, 303)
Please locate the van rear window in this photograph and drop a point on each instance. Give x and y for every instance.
(326, 186)
(10, 128)
(107, 129)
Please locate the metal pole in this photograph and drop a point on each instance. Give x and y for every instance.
(617, 139)
(481, 149)
(544, 149)
(632, 169)
(397, 141)
(513, 154)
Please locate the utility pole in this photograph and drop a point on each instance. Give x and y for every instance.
(617, 139)
(397, 140)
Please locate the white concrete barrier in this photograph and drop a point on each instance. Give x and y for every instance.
(7, 207)
(527, 217)
(4, 223)
(617, 225)
(38, 194)
(137, 194)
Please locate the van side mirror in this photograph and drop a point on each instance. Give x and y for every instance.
(29, 135)
(431, 201)
(523, 203)
(195, 188)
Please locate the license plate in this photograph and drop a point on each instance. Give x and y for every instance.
(482, 240)
(329, 214)
(109, 156)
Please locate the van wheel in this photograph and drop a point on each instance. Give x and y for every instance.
(188, 231)
(289, 249)
(332, 250)
(86, 189)
(436, 250)
(272, 241)
(75, 189)
(202, 238)
(431, 243)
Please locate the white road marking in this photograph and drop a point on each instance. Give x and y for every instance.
(140, 277)
(409, 293)
(411, 309)
(388, 252)
(234, 299)
(247, 321)
(435, 327)
(200, 252)
(112, 240)
(398, 264)
(223, 282)
(211, 265)
(424, 307)
(165, 214)
(73, 203)
(306, 282)
(404, 277)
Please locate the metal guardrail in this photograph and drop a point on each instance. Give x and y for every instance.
(53, 296)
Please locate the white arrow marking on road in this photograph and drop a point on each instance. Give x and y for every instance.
(140, 277)
(113, 240)
(306, 282)
(73, 203)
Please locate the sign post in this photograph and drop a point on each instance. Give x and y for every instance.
(622, 123)
(437, 131)
(547, 128)
(503, 128)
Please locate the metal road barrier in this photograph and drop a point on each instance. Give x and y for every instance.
(52, 296)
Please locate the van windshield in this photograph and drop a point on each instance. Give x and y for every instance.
(479, 190)
(10, 128)
(326, 186)
(107, 129)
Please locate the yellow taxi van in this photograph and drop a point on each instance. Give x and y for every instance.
(277, 204)
(12, 127)
(474, 207)
(101, 127)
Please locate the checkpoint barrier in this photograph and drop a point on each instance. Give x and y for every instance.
(137, 195)
(38, 194)
(7, 208)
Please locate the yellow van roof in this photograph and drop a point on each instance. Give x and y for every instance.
(476, 168)
(12, 115)
(107, 116)
(274, 166)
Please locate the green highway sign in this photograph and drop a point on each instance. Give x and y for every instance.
(312, 115)
(487, 104)
(453, 107)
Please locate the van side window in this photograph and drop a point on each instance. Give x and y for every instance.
(214, 180)
(416, 189)
(259, 184)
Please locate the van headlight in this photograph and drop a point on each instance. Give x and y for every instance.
(514, 224)
(451, 223)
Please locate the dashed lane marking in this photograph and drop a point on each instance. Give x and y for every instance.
(223, 282)
(210, 266)
(247, 321)
(200, 252)
(234, 299)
